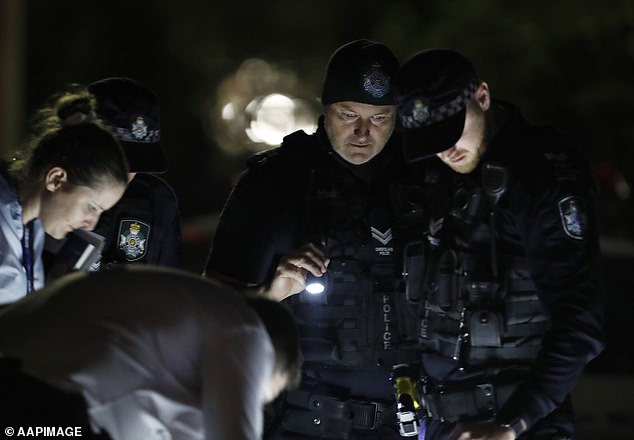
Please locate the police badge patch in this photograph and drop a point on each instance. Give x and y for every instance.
(573, 217)
(139, 128)
(133, 236)
(376, 82)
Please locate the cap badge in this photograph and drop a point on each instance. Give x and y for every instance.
(420, 111)
(375, 82)
(139, 128)
(415, 114)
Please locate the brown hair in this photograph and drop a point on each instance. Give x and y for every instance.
(66, 133)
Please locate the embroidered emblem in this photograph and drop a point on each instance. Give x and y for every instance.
(327, 194)
(420, 111)
(416, 114)
(375, 82)
(435, 225)
(383, 238)
(133, 237)
(139, 128)
(573, 217)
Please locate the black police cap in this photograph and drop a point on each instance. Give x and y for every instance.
(131, 111)
(432, 90)
(360, 71)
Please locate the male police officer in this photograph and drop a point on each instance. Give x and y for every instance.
(512, 304)
(320, 205)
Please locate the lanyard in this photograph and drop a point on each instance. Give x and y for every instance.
(27, 258)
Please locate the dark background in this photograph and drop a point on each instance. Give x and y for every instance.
(565, 62)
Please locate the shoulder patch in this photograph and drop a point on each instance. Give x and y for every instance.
(133, 236)
(573, 217)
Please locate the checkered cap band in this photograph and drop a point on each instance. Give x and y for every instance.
(419, 111)
(134, 136)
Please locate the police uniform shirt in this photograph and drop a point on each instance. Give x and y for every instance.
(270, 212)
(14, 267)
(155, 355)
(143, 227)
(546, 216)
(266, 211)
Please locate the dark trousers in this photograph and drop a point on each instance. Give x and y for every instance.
(29, 402)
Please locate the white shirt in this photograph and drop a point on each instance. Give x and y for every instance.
(158, 354)
(13, 276)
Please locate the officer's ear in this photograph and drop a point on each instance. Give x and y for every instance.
(482, 96)
(55, 178)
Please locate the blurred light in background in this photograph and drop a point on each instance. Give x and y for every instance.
(258, 105)
(611, 180)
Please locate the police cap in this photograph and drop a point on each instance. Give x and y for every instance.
(432, 90)
(131, 111)
(360, 71)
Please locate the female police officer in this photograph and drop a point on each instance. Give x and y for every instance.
(72, 170)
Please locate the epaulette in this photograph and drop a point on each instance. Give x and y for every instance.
(261, 157)
(295, 138)
(542, 157)
(297, 148)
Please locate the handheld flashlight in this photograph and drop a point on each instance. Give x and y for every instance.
(316, 285)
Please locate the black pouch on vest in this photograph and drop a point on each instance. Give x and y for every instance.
(446, 295)
(485, 328)
(414, 270)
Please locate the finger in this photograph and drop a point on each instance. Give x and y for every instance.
(315, 250)
(317, 255)
(306, 262)
(291, 271)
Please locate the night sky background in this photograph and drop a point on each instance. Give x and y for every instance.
(568, 64)
(565, 62)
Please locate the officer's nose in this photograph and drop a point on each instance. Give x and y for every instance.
(90, 223)
(362, 129)
(447, 153)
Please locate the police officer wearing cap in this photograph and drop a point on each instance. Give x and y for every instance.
(144, 226)
(321, 207)
(511, 301)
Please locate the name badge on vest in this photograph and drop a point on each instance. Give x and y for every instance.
(133, 236)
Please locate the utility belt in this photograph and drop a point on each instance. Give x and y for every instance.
(326, 416)
(478, 402)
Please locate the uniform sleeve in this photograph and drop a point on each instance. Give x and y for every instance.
(236, 367)
(171, 240)
(255, 225)
(559, 230)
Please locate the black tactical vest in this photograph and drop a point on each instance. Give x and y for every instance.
(362, 319)
(480, 303)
